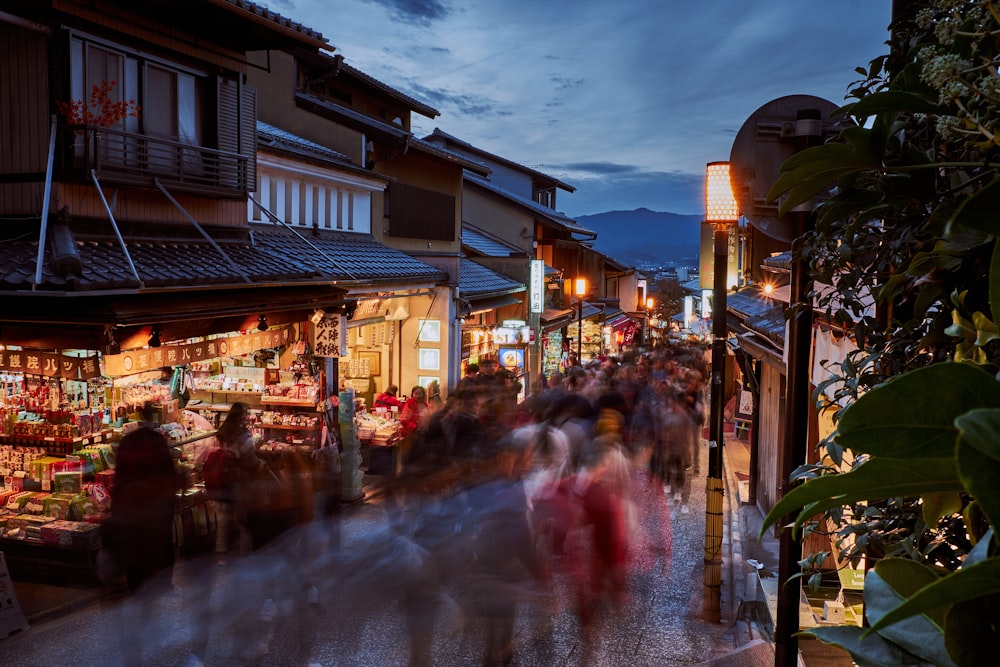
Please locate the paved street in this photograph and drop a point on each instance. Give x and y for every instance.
(352, 614)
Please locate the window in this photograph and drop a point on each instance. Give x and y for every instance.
(184, 114)
(420, 214)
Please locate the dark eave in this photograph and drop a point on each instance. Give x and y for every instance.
(340, 68)
(543, 213)
(539, 177)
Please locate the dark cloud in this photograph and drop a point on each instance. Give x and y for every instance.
(597, 168)
(565, 83)
(418, 12)
(464, 103)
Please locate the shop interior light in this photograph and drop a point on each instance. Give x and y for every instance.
(262, 322)
(154, 336)
(348, 308)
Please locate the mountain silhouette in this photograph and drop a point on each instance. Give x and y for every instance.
(643, 237)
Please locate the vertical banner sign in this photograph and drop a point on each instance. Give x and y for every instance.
(330, 337)
(537, 297)
(350, 453)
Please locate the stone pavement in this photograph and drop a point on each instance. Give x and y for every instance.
(659, 624)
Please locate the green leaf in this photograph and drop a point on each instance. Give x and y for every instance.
(971, 632)
(912, 415)
(986, 331)
(890, 582)
(876, 479)
(894, 102)
(809, 172)
(982, 210)
(995, 279)
(979, 459)
(973, 581)
(937, 505)
(867, 651)
(981, 551)
(905, 578)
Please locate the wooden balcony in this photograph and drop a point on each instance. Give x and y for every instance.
(126, 158)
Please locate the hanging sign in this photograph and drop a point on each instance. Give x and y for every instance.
(147, 359)
(49, 364)
(537, 293)
(330, 337)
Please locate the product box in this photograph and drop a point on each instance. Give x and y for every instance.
(67, 482)
(105, 478)
(75, 534)
(57, 505)
(15, 482)
(82, 506)
(18, 500)
(57, 533)
(100, 494)
(41, 468)
(26, 526)
(35, 503)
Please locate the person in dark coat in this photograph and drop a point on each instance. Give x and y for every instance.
(139, 532)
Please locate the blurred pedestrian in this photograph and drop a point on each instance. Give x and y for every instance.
(139, 532)
(234, 511)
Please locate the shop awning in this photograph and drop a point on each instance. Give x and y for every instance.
(484, 305)
(759, 348)
(620, 321)
(552, 318)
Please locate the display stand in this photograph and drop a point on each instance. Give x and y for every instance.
(11, 617)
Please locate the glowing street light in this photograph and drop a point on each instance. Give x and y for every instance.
(720, 211)
(580, 285)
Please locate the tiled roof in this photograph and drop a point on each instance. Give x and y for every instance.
(437, 134)
(552, 215)
(781, 261)
(487, 245)
(414, 104)
(476, 281)
(270, 255)
(388, 131)
(268, 135)
(758, 312)
(262, 11)
(347, 256)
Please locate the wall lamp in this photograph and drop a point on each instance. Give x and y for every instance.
(262, 322)
(317, 316)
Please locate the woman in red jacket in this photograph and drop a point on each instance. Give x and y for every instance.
(415, 411)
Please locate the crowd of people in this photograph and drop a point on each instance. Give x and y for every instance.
(497, 505)
(502, 498)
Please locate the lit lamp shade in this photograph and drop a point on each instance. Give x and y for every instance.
(581, 286)
(720, 204)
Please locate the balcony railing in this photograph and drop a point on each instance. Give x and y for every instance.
(136, 159)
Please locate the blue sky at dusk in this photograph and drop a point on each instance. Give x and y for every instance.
(626, 101)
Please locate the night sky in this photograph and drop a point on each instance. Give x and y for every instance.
(626, 100)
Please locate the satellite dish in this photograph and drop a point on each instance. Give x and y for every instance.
(771, 135)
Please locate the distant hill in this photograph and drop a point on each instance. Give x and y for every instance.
(643, 236)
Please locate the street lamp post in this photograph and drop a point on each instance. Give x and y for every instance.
(648, 337)
(580, 288)
(720, 211)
